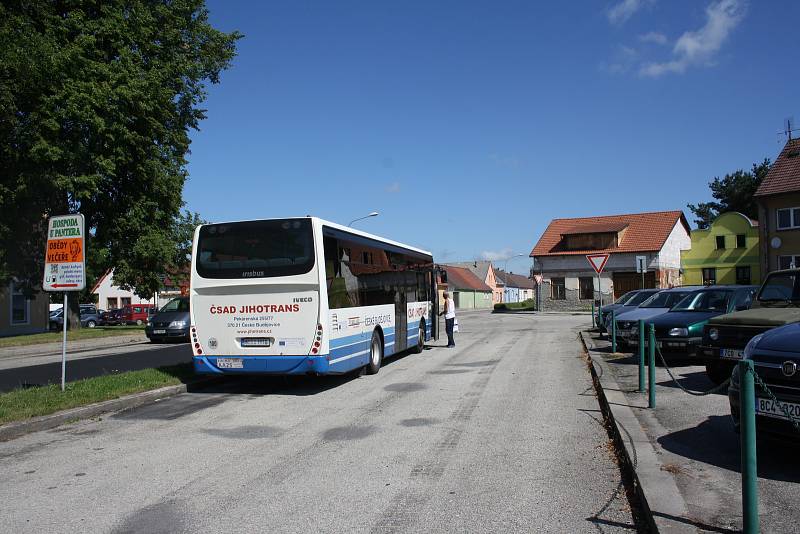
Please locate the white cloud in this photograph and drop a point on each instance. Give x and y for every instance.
(393, 187)
(699, 47)
(495, 255)
(622, 11)
(654, 37)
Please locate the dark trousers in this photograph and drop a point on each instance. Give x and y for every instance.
(448, 326)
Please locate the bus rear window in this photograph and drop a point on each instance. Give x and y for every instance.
(255, 249)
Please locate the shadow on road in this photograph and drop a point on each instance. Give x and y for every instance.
(714, 442)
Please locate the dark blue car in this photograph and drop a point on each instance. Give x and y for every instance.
(776, 358)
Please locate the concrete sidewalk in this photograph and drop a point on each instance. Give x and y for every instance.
(24, 356)
(686, 453)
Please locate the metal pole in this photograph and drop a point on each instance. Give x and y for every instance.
(651, 375)
(64, 344)
(593, 321)
(747, 426)
(641, 355)
(614, 331)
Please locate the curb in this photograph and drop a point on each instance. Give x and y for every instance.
(46, 422)
(44, 349)
(663, 506)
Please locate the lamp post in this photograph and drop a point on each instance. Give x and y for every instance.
(373, 214)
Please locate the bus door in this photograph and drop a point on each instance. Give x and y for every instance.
(400, 317)
(433, 298)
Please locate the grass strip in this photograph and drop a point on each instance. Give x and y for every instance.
(72, 335)
(43, 400)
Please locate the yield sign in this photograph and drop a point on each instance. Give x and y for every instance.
(598, 261)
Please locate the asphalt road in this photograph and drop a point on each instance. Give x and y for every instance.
(500, 434)
(100, 362)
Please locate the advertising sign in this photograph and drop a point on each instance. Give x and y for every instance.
(65, 261)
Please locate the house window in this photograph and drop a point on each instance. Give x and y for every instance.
(720, 242)
(111, 303)
(20, 306)
(587, 288)
(788, 218)
(558, 289)
(743, 275)
(709, 276)
(125, 301)
(740, 241)
(788, 262)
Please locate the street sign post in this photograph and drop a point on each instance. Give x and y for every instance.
(598, 263)
(65, 266)
(641, 266)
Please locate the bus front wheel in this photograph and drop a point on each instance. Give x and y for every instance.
(421, 338)
(375, 354)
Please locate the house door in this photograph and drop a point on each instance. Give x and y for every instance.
(624, 282)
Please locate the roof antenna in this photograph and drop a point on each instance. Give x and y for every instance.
(788, 123)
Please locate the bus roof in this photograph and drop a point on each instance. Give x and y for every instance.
(343, 229)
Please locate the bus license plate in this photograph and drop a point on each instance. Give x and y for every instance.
(230, 363)
(730, 354)
(769, 408)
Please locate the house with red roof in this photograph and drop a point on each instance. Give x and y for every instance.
(568, 281)
(469, 291)
(778, 199)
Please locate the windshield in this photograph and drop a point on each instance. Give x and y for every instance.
(665, 299)
(176, 305)
(713, 300)
(781, 287)
(639, 298)
(625, 298)
(255, 249)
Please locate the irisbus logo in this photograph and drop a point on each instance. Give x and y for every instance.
(252, 274)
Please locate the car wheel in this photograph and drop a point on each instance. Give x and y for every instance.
(420, 338)
(138, 322)
(717, 372)
(90, 323)
(375, 354)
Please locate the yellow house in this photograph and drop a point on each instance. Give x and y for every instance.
(724, 253)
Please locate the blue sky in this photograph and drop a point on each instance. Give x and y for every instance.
(470, 125)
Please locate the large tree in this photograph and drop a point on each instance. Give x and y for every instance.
(733, 192)
(97, 99)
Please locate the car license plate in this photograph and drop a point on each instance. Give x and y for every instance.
(769, 408)
(159, 331)
(730, 354)
(230, 363)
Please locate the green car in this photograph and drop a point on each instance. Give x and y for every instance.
(680, 330)
(725, 336)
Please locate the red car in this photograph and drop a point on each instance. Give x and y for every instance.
(136, 313)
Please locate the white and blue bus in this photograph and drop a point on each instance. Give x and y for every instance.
(305, 296)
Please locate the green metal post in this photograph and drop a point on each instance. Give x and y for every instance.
(651, 375)
(613, 331)
(747, 426)
(641, 355)
(593, 321)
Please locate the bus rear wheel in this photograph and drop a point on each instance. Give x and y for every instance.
(420, 338)
(375, 354)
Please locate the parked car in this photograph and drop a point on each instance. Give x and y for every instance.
(725, 337)
(89, 316)
(110, 317)
(171, 321)
(776, 359)
(680, 330)
(136, 313)
(634, 299)
(659, 303)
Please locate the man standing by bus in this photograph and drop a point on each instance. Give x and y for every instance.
(449, 319)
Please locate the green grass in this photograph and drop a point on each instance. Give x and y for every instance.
(23, 404)
(72, 335)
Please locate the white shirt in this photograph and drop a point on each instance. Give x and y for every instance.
(449, 309)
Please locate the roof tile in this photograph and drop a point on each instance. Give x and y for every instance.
(784, 174)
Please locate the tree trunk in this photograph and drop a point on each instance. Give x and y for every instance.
(74, 311)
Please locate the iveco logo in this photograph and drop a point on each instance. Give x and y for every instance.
(252, 274)
(789, 368)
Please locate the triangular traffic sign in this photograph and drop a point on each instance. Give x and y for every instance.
(598, 261)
